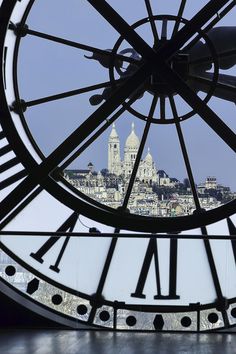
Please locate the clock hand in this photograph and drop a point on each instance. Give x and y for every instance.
(123, 208)
(106, 62)
(66, 146)
(157, 59)
(192, 27)
(225, 87)
(100, 131)
(22, 105)
(102, 52)
(218, 17)
(139, 153)
(197, 205)
(41, 172)
(172, 46)
(223, 39)
(197, 21)
(204, 111)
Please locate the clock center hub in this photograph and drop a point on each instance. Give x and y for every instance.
(179, 64)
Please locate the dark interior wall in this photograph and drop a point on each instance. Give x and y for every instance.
(13, 314)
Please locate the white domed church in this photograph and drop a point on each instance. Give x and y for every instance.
(147, 171)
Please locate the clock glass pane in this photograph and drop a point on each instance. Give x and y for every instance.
(119, 126)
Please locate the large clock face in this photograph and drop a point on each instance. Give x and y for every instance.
(165, 80)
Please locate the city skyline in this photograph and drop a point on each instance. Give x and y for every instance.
(147, 149)
(154, 192)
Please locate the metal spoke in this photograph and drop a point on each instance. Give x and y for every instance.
(162, 107)
(123, 28)
(114, 240)
(129, 34)
(209, 59)
(152, 21)
(185, 154)
(140, 152)
(191, 27)
(180, 14)
(171, 46)
(71, 93)
(217, 18)
(77, 45)
(41, 172)
(199, 106)
(164, 29)
(99, 131)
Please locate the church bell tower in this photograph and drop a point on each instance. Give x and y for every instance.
(114, 162)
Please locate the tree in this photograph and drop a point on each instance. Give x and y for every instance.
(104, 171)
(186, 183)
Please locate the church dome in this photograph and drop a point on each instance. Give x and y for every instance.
(132, 140)
(148, 158)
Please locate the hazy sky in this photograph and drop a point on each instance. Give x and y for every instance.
(47, 68)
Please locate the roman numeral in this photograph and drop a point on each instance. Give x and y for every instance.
(69, 226)
(7, 165)
(152, 253)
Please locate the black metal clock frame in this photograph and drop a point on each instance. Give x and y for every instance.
(154, 61)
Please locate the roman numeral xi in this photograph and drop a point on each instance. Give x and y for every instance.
(69, 226)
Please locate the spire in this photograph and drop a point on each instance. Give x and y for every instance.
(148, 158)
(132, 126)
(113, 132)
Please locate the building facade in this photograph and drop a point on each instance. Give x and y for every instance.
(154, 193)
(147, 171)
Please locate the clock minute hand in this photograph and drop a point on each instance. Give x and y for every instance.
(171, 46)
(41, 172)
(104, 60)
(225, 87)
(158, 60)
(223, 39)
(81, 133)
